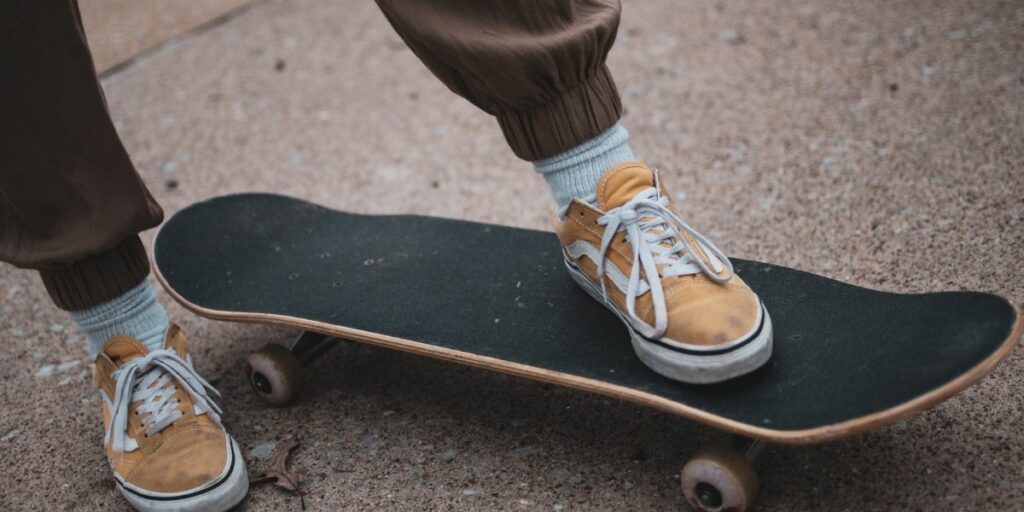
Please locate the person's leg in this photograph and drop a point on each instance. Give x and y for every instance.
(539, 67)
(576, 172)
(72, 203)
(71, 207)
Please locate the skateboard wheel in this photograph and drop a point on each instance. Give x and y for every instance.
(275, 374)
(718, 479)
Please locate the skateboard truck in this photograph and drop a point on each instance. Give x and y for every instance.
(715, 479)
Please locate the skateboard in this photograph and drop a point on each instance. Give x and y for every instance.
(846, 359)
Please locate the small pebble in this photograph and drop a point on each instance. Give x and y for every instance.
(65, 366)
(263, 450)
(369, 441)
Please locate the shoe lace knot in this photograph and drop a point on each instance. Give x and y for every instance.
(664, 245)
(152, 381)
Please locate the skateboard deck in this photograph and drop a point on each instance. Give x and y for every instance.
(846, 358)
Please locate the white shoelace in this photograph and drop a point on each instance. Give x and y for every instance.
(654, 232)
(146, 380)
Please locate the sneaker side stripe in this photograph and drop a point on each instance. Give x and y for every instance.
(669, 346)
(581, 248)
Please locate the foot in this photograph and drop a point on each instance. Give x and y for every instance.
(164, 439)
(689, 316)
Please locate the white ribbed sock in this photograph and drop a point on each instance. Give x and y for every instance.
(135, 313)
(576, 172)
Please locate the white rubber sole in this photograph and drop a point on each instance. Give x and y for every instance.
(225, 492)
(686, 364)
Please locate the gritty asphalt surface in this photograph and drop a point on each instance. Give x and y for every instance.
(875, 142)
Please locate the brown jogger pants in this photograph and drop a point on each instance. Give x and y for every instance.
(72, 204)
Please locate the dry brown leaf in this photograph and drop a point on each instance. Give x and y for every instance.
(278, 472)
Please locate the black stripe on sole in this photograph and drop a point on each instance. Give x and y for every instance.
(716, 352)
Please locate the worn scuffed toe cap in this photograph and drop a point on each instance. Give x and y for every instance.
(708, 314)
(185, 461)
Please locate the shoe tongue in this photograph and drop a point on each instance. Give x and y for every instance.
(176, 341)
(621, 183)
(123, 349)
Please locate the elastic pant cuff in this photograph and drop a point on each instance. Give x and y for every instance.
(97, 279)
(566, 121)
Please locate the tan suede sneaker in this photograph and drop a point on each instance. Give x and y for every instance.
(690, 318)
(164, 439)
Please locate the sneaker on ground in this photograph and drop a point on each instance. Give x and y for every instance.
(164, 439)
